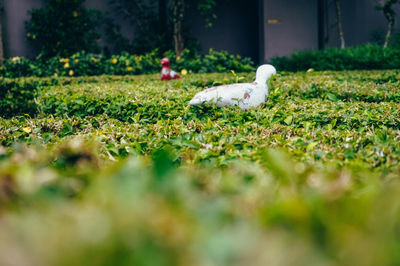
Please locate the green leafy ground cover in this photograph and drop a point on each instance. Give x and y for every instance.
(119, 170)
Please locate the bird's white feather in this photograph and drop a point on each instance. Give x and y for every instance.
(244, 95)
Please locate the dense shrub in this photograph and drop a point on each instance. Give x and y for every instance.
(361, 57)
(213, 62)
(87, 64)
(63, 27)
(17, 97)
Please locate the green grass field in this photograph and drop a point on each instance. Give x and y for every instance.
(119, 170)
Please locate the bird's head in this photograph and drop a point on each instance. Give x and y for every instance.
(165, 62)
(264, 72)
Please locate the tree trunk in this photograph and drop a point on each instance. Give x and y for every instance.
(178, 8)
(1, 31)
(390, 16)
(389, 33)
(339, 23)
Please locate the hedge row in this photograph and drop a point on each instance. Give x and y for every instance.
(364, 57)
(85, 64)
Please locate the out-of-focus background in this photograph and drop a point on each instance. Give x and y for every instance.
(259, 29)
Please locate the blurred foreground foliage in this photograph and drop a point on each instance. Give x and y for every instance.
(119, 170)
(70, 207)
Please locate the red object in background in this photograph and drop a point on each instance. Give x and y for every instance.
(166, 72)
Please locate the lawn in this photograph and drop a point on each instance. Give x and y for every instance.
(119, 170)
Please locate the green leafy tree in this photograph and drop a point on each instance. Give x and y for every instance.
(386, 6)
(178, 15)
(161, 24)
(149, 21)
(63, 27)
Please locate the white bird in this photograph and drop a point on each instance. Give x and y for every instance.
(244, 95)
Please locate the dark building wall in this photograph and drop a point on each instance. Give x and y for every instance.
(241, 27)
(289, 25)
(235, 29)
(104, 6)
(298, 24)
(16, 13)
(360, 18)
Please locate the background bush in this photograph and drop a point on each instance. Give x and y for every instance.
(17, 97)
(63, 27)
(360, 57)
(88, 64)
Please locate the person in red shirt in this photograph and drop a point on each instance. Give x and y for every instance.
(166, 72)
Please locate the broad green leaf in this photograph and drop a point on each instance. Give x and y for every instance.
(288, 120)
